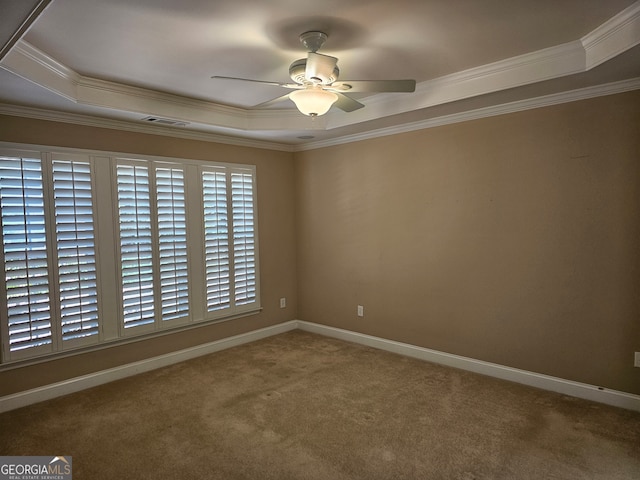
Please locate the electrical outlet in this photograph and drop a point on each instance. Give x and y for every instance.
(283, 302)
(636, 361)
(360, 311)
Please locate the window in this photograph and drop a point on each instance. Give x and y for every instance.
(182, 233)
(75, 249)
(26, 265)
(153, 243)
(39, 289)
(243, 238)
(136, 256)
(229, 216)
(216, 240)
(172, 243)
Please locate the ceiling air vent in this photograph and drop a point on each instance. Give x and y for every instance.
(165, 121)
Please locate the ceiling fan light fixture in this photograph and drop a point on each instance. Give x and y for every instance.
(313, 100)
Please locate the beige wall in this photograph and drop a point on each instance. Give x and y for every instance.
(275, 174)
(512, 239)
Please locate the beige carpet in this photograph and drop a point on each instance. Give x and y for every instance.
(303, 406)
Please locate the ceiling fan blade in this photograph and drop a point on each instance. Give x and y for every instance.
(370, 86)
(347, 104)
(277, 84)
(269, 103)
(320, 68)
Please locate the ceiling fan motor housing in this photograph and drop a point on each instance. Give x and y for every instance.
(297, 73)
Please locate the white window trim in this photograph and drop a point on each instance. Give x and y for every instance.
(111, 330)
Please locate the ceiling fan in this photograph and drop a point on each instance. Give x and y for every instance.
(316, 86)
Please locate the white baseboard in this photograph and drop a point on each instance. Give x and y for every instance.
(47, 392)
(545, 382)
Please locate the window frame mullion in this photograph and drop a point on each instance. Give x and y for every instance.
(155, 246)
(194, 206)
(231, 242)
(105, 218)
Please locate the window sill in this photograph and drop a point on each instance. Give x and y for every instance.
(121, 341)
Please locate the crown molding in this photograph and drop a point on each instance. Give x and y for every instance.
(606, 41)
(30, 63)
(112, 95)
(546, 64)
(36, 66)
(21, 24)
(492, 111)
(613, 37)
(122, 125)
(511, 107)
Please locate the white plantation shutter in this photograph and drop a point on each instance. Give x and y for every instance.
(75, 247)
(216, 240)
(178, 239)
(244, 245)
(26, 267)
(136, 244)
(230, 238)
(172, 243)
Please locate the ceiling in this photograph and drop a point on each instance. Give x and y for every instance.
(117, 62)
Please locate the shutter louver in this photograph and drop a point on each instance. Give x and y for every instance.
(244, 248)
(75, 247)
(216, 238)
(25, 253)
(136, 250)
(157, 224)
(172, 243)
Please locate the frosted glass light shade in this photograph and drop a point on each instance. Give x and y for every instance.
(313, 101)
